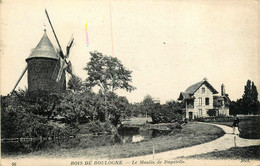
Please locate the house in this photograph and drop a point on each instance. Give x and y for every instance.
(201, 100)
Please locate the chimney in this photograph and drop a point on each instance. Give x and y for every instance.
(223, 90)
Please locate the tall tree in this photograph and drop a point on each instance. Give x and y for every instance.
(148, 104)
(108, 73)
(250, 98)
(254, 93)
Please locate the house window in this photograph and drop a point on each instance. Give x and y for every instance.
(200, 112)
(203, 90)
(200, 101)
(207, 101)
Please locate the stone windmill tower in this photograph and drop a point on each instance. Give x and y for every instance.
(46, 66)
(42, 65)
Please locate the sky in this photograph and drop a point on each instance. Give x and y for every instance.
(168, 45)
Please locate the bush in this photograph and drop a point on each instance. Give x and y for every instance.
(249, 127)
(167, 113)
(211, 112)
(165, 116)
(19, 123)
(21, 117)
(215, 119)
(96, 128)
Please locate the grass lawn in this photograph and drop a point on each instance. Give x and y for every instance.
(191, 134)
(236, 153)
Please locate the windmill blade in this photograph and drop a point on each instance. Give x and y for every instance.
(69, 46)
(70, 69)
(61, 53)
(20, 78)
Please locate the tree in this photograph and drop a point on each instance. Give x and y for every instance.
(108, 73)
(250, 98)
(39, 102)
(148, 105)
(25, 114)
(122, 105)
(176, 107)
(75, 83)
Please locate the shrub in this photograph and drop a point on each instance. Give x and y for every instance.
(96, 128)
(211, 112)
(20, 118)
(215, 119)
(249, 127)
(165, 115)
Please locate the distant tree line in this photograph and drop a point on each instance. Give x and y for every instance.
(248, 103)
(169, 112)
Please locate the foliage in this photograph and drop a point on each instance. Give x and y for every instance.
(28, 114)
(38, 102)
(135, 110)
(19, 119)
(166, 113)
(249, 103)
(75, 83)
(148, 105)
(77, 107)
(211, 112)
(86, 106)
(171, 111)
(250, 98)
(249, 127)
(96, 127)
(108, 73)
(220, 118)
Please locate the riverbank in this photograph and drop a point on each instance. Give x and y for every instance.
(191, 134)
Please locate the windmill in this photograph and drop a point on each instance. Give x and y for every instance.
(64, 64)
(46, 67)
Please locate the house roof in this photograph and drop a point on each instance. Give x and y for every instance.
(44, 49)
(185, 96)
(193, 88)
(188, 94)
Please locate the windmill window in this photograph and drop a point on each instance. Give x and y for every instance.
(207, 101)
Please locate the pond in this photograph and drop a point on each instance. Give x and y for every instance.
(124, 136)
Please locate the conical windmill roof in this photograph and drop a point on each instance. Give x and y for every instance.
(44, 49)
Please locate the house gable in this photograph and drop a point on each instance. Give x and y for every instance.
(193, 88)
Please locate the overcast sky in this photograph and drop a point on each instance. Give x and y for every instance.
(169, 45)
